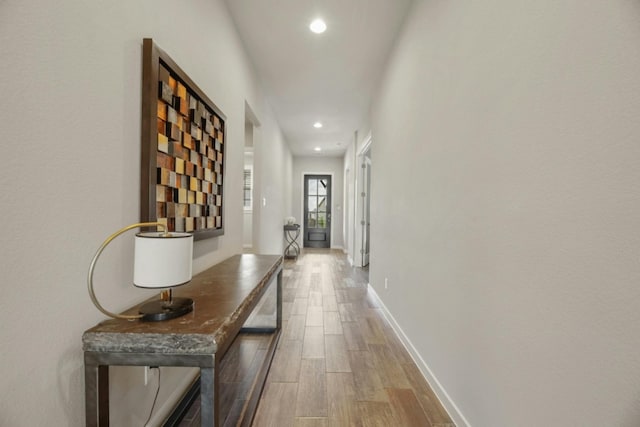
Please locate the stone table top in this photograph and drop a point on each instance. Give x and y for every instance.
(224, 296)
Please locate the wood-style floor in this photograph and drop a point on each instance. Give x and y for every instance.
(338, 362)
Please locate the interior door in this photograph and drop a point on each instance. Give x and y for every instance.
(317, 211)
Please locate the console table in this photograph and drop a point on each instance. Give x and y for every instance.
(225, 296)
(291, 233)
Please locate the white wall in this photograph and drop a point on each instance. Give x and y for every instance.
(506, 216)
(71, 83)
(272, 168)
(319, 165)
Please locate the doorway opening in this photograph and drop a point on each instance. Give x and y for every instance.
(249, 181)
(362, 202)
(366, 206)
(317, 211)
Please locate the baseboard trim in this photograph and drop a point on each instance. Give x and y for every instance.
(442, 395)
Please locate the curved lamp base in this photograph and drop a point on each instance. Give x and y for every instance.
(158, 310)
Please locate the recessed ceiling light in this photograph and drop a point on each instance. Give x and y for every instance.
(317, 149)
(318, 26)
(317, 125)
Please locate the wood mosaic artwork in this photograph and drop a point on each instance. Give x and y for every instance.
(183, 159)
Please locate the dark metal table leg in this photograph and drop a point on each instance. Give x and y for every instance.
(207, 398)
(103, 396)
(279, 301)
(96, 394)
(91, 394)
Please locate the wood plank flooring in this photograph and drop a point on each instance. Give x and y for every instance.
(338, 362)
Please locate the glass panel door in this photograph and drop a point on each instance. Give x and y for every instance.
(317, 215)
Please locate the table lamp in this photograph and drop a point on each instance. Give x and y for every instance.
(162, 260)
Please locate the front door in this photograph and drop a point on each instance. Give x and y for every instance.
(317, 211)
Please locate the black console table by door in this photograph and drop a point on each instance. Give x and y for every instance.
(225, 297)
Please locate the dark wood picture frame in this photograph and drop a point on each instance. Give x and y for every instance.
(183, 150)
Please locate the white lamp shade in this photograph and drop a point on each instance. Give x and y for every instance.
(162, 260)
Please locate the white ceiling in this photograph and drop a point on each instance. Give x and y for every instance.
(327, 77)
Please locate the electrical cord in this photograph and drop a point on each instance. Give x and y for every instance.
(156, 397)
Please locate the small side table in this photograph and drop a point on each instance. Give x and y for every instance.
(291, 234)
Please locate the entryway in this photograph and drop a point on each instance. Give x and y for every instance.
(317, 211)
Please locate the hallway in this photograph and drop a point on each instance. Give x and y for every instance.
(338, 362)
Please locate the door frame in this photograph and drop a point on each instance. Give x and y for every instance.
(250, 118)
(331, 174)
(359, 205)
(366, 207)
